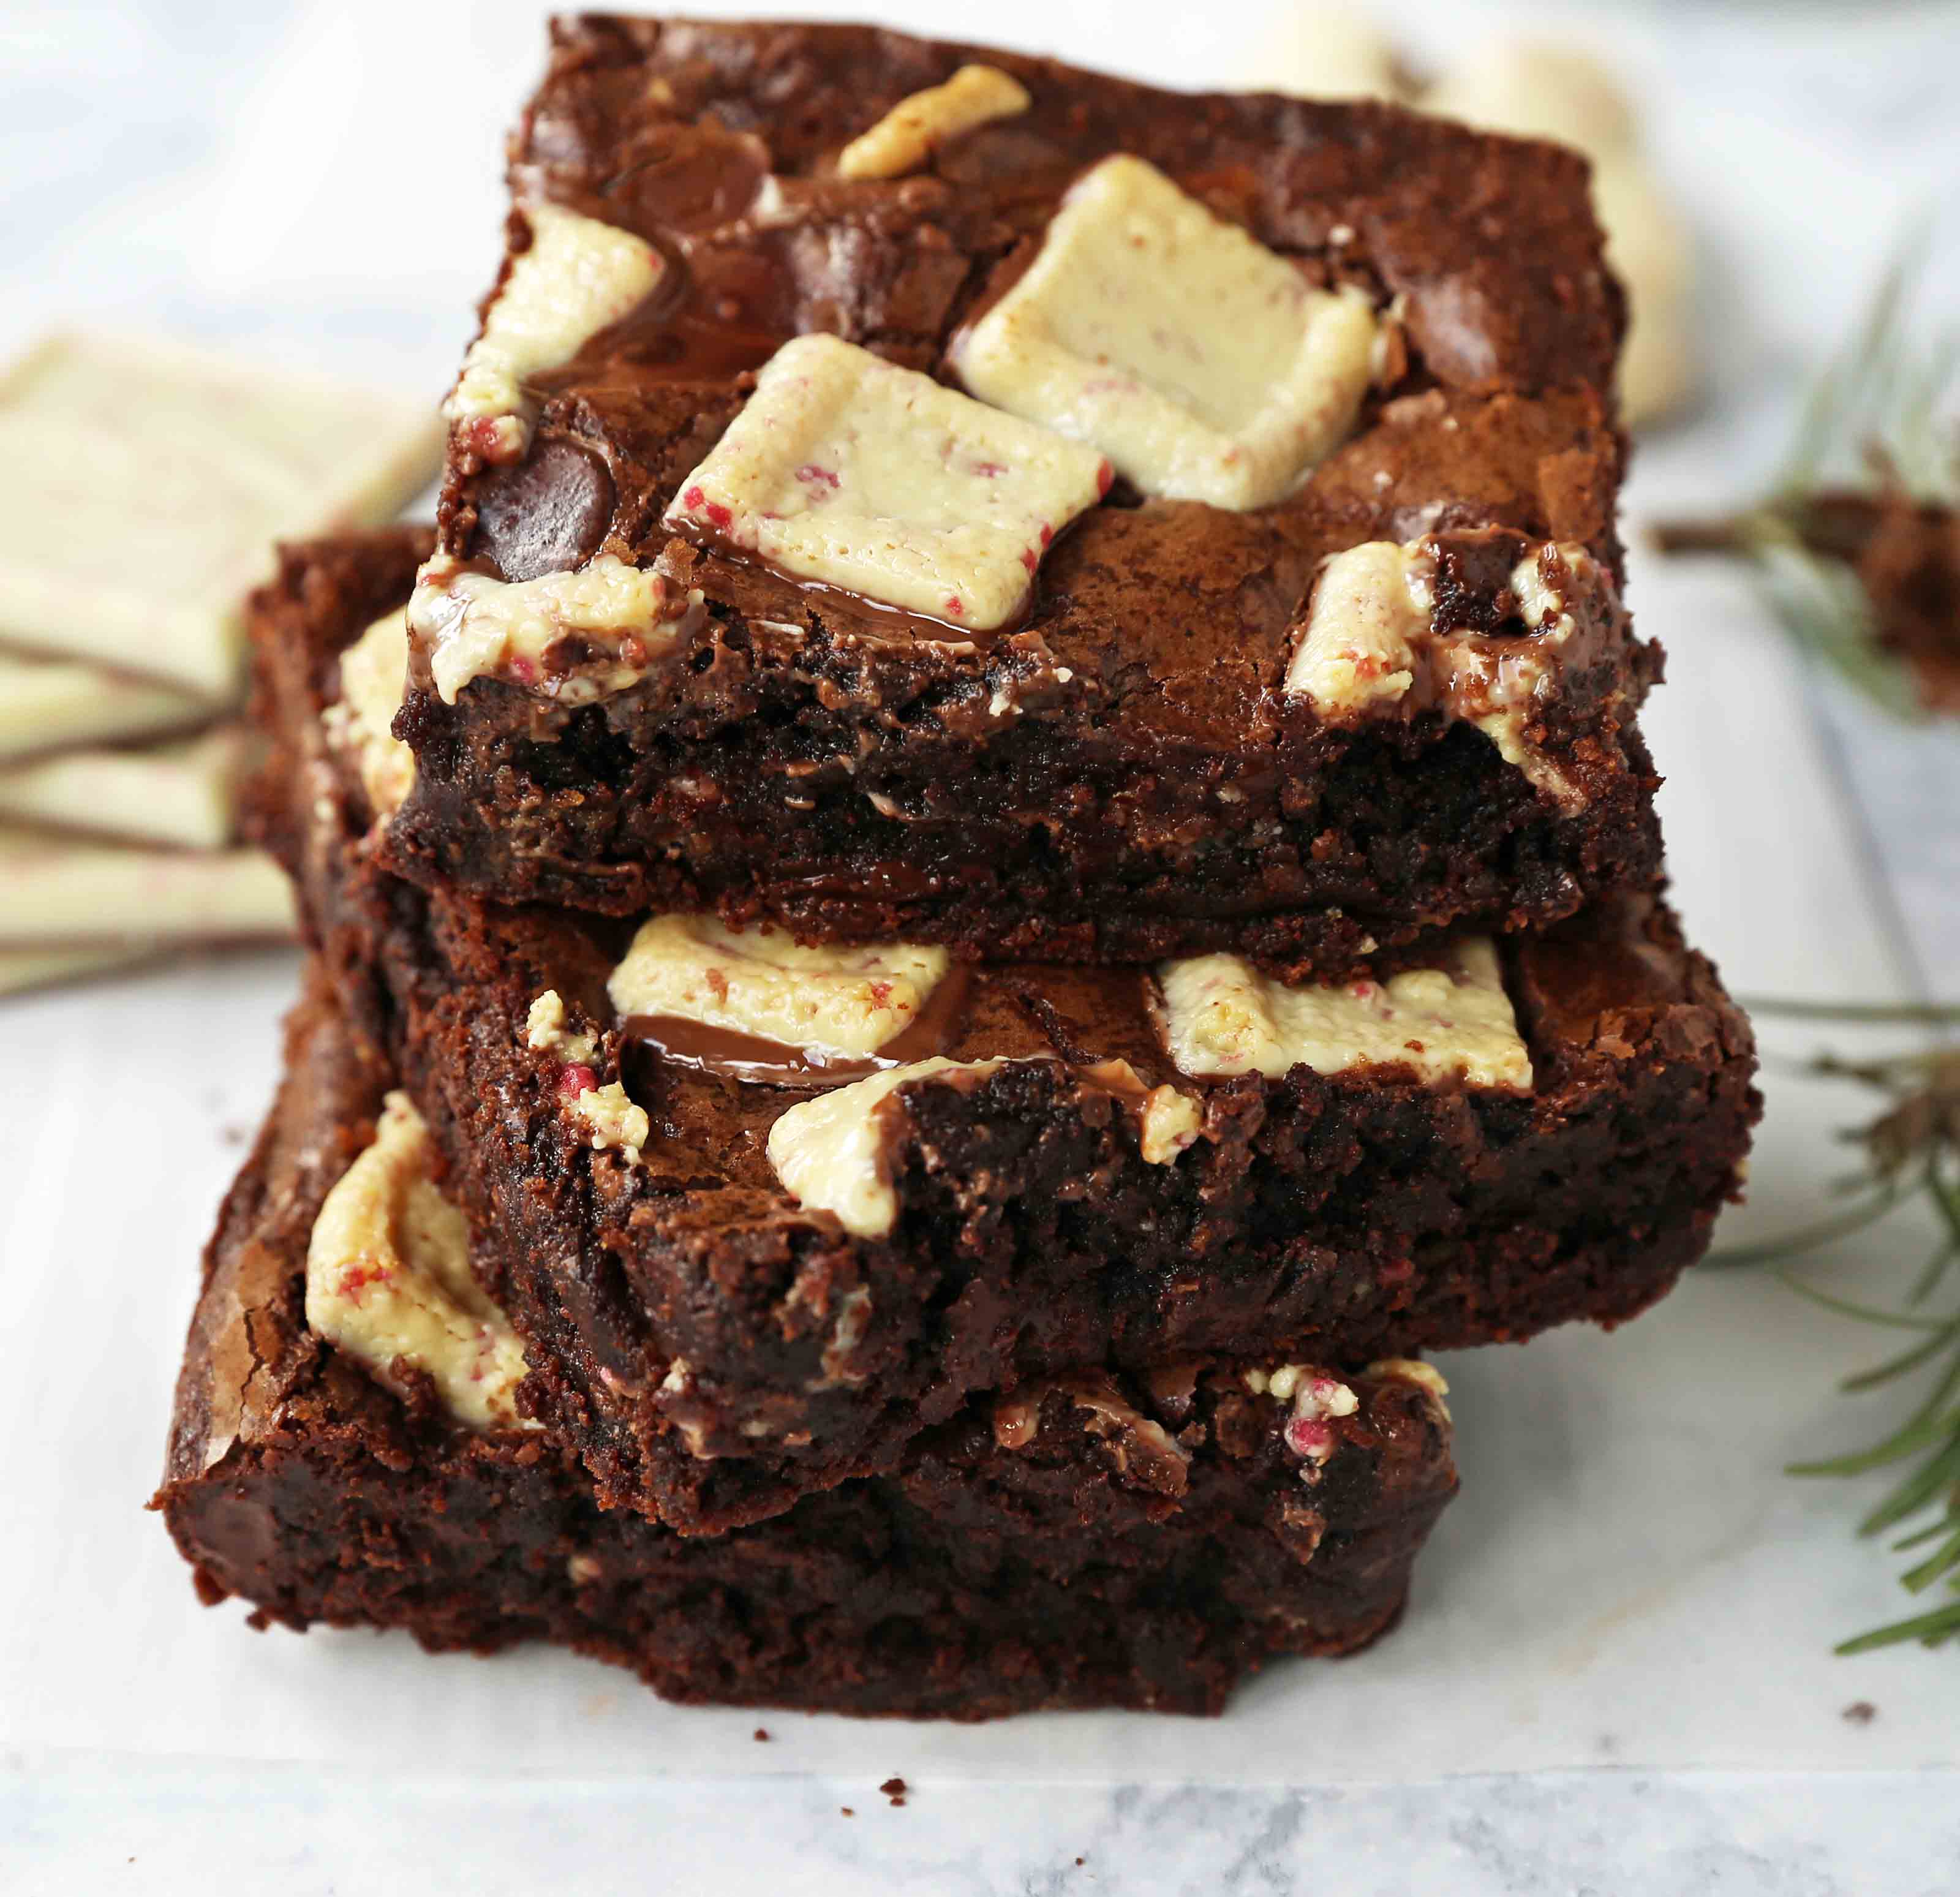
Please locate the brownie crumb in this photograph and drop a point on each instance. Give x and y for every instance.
(894, 1786)
(1860, 1712)
(762, 1735)
(847, 1811)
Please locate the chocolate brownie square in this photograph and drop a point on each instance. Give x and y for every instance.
(343, 1452)
(915, 492)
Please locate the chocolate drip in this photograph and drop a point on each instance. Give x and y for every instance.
(761, 1061)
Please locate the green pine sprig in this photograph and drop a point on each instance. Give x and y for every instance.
(1879, 428)
(1911, 1150)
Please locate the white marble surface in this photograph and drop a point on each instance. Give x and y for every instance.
(1614, 1677)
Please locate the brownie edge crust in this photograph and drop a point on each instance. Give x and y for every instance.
(1095, 1542)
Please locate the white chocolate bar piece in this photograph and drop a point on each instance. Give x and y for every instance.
(43, 968)
(48, 704)
(185, 793)
(843, 470)
(1205, 366)
(142, 486)
(61, 890)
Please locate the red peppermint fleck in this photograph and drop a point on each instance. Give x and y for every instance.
(989, 471)
(811, 475)
(523, 670)
(1048, 534)
(954, 606)
(1308, 1436)
(1106, 477)
(881, 993)
(1361, 991)
(1029, 558)
(573, 1081)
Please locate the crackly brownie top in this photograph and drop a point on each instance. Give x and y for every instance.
(826, 333)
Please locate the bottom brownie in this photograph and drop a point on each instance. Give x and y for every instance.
(1092, 1541)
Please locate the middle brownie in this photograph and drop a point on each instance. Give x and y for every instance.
(752, 1261)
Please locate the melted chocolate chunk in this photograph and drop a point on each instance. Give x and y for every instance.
(755, 1057)
(547, 514)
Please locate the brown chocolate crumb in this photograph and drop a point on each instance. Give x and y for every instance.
(1860, 1712)
(847, 1811)
(762, 1735)
(894, 1788)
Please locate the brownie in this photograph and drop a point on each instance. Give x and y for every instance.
(1100, 1540)
(715, 1348)
(1122, 769)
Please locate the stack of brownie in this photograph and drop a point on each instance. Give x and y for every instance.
(995, 860)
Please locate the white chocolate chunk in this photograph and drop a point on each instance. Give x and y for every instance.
(578, 276)
(474, 626)
(843, 470)
(389, 1279)
(373, 672)
(915, 128)
(202, 465)
(831, 1002)
(1204, 366)
(613, 1122)
(61, 890)
(1221, 1016)
(185, 793)
(1357, 650)
(1368, 640)
(545, 1030)
(46, 704)
(1514, 687)
(830, 1152)
(1169, 1122)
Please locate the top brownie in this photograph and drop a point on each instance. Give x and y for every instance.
(903, 489)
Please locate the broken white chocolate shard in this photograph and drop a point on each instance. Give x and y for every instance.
(1220, 1017)
(578, 276)
(545, 1031)
(832, 1003)
(389, 1280)
(44, 968)
(831, 1152)
(1369, 646)
(49, 705)
(907, 135)
(845, 470)
(1207, 368)
(610, 1119)
(202, 465)
(1371, 611)
(374, 672)
(185, 792)
(66, 890)
(472, 626)
(1167, 1123)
